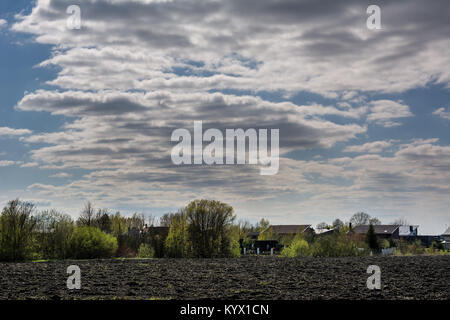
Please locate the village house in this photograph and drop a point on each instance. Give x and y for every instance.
(278, 232)
(382, 231)
(290, 229)
(408, 233)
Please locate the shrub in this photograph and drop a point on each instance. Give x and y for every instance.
(90, 243)
(298, 247)
(385, 244)
(235, 249)
(337, 245)
(145, 251)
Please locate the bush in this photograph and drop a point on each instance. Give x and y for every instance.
(145, 251)
(385, 244)
(405, 248)
(235, 249)
(90, 243)
(337, 245)
(298, 247)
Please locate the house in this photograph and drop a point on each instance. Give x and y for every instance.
(427, 240)
(446, 237)
(290, 229)
(408, 231)
(383, 231)
(276, 234)
(266, 245)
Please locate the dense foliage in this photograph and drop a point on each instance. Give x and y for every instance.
(90, 242)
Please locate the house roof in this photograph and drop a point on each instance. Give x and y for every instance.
(379, 229)
(447, 232)
(324, 231)
(290, 228)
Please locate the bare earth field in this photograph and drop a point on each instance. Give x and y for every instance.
(418, 277)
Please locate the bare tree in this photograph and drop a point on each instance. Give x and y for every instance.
(322, 225)
(338, 224)
(360, 218)
(166, 219)
(87, 215)
(401, 222)
(374, 221)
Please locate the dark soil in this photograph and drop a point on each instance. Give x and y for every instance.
(418, 277)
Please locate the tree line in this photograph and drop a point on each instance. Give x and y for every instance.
(204, 228)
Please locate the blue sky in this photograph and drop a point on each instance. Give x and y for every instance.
(364, 115)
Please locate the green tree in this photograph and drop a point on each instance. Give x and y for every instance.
(177, 241)
(54, 231)
(102, 221)
(209, 223)
(262, 225)
(372, 239)
(17, 226)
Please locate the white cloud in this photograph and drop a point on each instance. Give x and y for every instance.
(29, 165)
(370, 147)
(61, 175)
(385, 112)
(443, 113)
(3, 23)
(6, 163)
(5, 131)
(323, 51)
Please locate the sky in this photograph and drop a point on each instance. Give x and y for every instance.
(363, 115)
